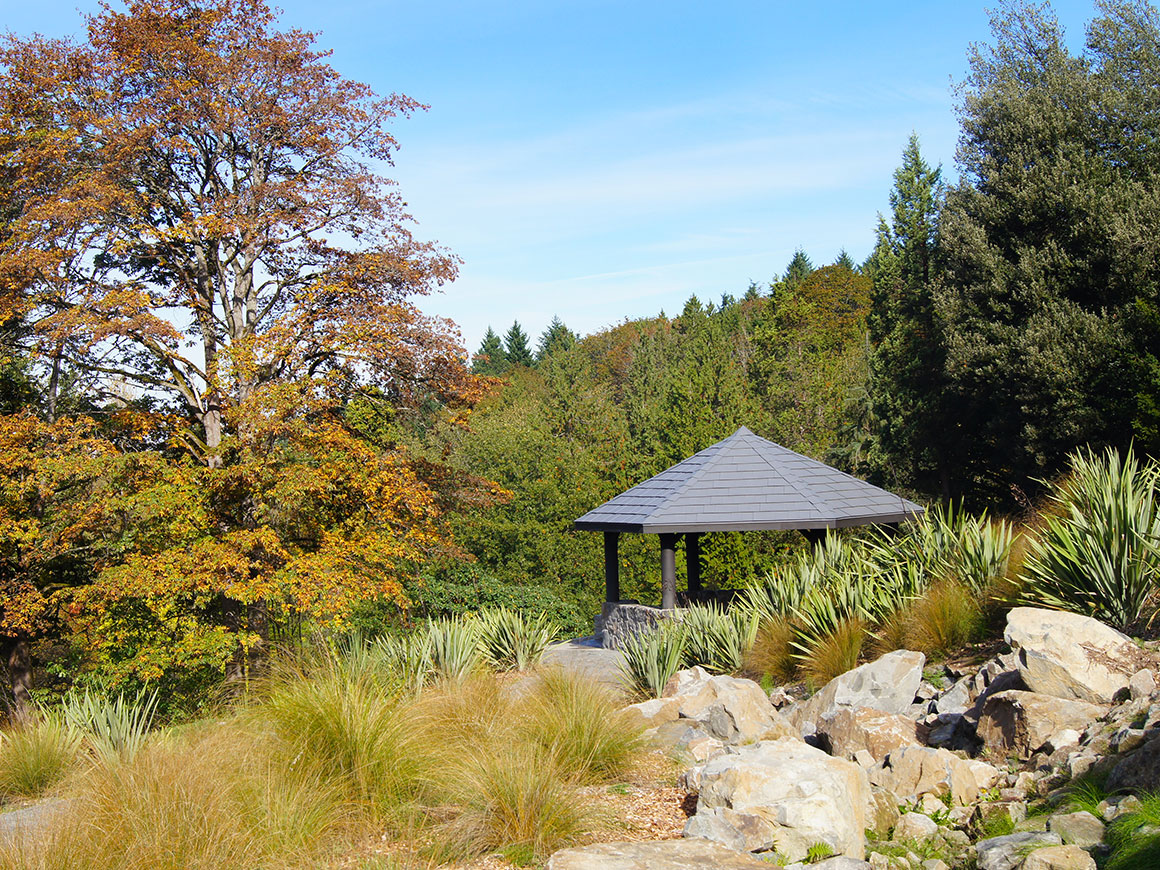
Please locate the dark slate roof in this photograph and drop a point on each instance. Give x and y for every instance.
(746, 483)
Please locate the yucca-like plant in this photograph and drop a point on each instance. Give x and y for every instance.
(454, 647)
(513, 641)
(406, 659)
(1098, 553)
(114, 728)
(651, 658)
(717, 638)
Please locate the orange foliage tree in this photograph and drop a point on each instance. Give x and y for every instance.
(201, 235)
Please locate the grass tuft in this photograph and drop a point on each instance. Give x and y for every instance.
(36, 756)
(577, 723)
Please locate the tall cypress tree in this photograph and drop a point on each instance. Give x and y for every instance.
(515, 344)
(907, 382)
(490, 359)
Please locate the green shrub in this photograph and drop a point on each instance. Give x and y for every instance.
(511, 640)
(115, 729)
(651, 658)
(36, 756)
(1097, 553)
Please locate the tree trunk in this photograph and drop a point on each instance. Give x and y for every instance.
(19, 664)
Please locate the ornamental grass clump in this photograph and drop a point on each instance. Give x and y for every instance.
(579, 724)
(454, 647)
(36, 756)
(336, 715)
(511, 640)
(1135, 837)
(216, 797)
(1098, 552)
(651, 658)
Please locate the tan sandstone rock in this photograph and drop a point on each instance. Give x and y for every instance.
(1071, 656)
(734, 710)
(913, 771)
(664, 855)
(1025, 722)
(805, 795)
(1059, 858)
(849, 729)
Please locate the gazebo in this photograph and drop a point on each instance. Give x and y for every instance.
(744, 483)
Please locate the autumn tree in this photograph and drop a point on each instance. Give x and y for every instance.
(201, 233)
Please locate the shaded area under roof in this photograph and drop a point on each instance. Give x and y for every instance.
(747, 483)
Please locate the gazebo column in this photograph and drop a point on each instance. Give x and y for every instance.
(814, 536)
(693, 563)
(612, 566)
(668, 571)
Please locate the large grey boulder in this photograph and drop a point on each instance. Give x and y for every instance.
(849, 729)
(1025, 722)
(803, 794)
(1137, 771)
(888, 684)
(1008, 852)
(1078, 829)
(913, 771)
(662, 855)
(1071, 656)
(733, 710)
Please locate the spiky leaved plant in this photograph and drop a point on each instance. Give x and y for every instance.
(651, 658)
(513, 641)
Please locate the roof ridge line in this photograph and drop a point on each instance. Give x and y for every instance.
(792, 479)
(696, 474)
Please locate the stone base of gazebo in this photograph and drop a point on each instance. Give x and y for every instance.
(620, 620)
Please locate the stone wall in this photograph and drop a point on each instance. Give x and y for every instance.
(620, 620)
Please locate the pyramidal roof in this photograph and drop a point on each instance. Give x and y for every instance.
(745, 483)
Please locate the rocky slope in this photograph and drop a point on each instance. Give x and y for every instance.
(889, 766)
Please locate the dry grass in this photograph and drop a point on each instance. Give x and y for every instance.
(772, 653)
(946, 618)
(326, 756)
(214, 800)
(835, 653)
(35, 757)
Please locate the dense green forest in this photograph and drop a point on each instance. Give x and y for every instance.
(999, 323)
(221, 428)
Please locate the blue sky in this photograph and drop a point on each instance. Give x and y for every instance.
(601, 160)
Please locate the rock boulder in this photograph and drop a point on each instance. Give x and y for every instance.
(733, 710)
(848, 729)
(1071, 656)
(663, 855)
(1025, 722)
(803, 794)
(887, 684)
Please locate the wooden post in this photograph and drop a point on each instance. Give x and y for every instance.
(668, 571)
(693, 563)
(611, 566)
(814, 536)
